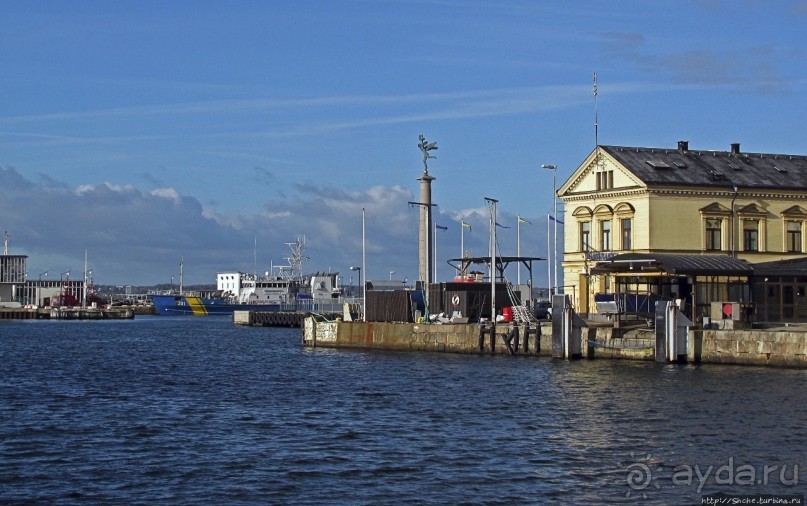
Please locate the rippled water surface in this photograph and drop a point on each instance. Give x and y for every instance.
(196, 410)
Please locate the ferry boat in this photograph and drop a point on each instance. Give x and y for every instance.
(239, 291)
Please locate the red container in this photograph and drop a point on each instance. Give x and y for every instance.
(507, 313)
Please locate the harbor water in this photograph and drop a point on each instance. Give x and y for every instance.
(184, 410)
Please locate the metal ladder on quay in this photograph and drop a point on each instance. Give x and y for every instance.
(521, 313)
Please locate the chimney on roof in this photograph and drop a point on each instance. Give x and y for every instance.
(683, 146)
(735, 148)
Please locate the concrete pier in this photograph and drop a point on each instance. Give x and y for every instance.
(450, 338)
(275, 318)
(781, 347)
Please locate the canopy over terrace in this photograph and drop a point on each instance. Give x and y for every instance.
(502, 263)
(698, 280)
(673, 264)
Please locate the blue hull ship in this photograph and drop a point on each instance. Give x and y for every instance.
(168, 305)
(239, 291)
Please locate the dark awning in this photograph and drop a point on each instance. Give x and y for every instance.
(674, 264)
(502, 262)
(790, 267)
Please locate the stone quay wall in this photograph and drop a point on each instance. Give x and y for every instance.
(775, 348)
(779, 348)
(450, 338)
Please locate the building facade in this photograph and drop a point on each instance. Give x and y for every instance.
(750, 206)
(15, 287)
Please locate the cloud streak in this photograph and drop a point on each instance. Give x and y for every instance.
(137, 236)
(363, 111)
(752, 69)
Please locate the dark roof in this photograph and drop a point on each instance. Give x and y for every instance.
(722, 265)
(793, 266)
(500, 258)
(502, 262)
(656, 166)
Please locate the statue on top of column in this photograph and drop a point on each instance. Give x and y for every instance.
(426, 147)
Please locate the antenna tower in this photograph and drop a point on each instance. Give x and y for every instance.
(596, 122)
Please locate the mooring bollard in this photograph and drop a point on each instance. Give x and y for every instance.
(672, 328)
(565, 344)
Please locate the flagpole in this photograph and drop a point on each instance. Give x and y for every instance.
(462, 248)
(363, 269)
(435, 252)
(518, 249)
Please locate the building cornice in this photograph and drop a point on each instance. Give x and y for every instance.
(682, 192)
(742, 193)
(601, 195)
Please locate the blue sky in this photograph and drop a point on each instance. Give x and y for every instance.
(146, 132)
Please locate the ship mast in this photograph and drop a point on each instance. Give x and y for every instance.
(294, 271)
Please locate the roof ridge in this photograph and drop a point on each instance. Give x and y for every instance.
(669, 151)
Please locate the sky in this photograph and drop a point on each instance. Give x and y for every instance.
(149, 133)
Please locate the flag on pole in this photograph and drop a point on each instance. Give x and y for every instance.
(467, 225)
(500, 225)
(522, 220)
(553, 219)
(440, 227)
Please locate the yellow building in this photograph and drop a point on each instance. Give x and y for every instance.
(747, 207)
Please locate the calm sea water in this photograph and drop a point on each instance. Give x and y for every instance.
(196, 410)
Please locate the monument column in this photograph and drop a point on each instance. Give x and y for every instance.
(425, 250)
(426, 265)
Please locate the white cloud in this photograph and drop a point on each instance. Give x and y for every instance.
(167, 193)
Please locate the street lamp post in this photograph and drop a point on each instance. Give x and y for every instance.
(492, 245)
(64, 284)
(554, 170)
(358, 272)
(39, 289)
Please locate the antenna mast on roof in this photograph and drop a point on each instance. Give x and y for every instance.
(596, 123)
